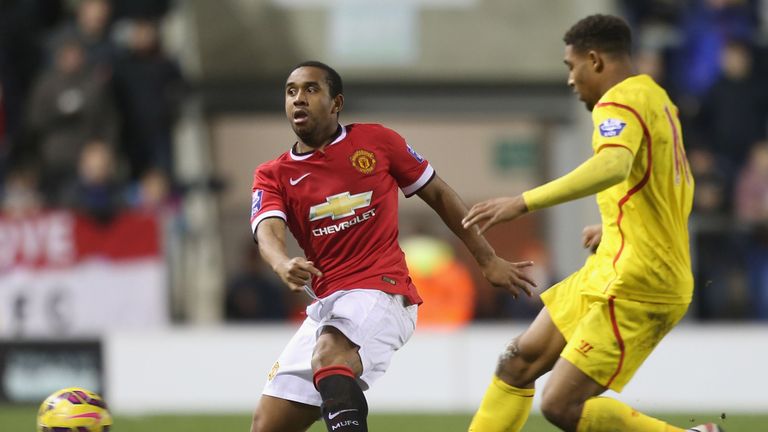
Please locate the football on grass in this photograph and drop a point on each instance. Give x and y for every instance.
(74, 410)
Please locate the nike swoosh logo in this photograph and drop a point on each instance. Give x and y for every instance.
(295, 182)
(333, 415)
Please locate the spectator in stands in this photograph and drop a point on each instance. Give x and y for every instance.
(733, 116)
(149, 88)
(151, 193)
(734, 111)
(656, 24)
(711, 184)
(752, 187)
(70, 106)
(91, 30)
(644, 15)
(20, 197)
(717, 256)
(694, 62)
(706, 27)
(21, 24)
(254, 294)
(752, 212)
(97, 191)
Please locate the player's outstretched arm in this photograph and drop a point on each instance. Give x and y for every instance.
(500, 273)
(606, 168)
(294, 272)
(488, 213)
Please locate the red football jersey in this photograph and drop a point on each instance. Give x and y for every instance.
(341, 206)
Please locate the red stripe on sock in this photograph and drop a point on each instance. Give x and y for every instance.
(332, 370)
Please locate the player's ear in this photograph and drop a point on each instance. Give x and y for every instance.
(338, 104)
(595, 61)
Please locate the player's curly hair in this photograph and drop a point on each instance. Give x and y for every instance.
(606, 33)
(331, 76)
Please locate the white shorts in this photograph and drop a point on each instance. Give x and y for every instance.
(377, 322)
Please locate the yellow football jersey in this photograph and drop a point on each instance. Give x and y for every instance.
(644, 254)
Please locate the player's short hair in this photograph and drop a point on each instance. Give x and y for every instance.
(331, 76)
(606, 33)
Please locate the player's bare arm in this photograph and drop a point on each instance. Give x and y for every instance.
(499, 272)
(608, 167)
(591, 236)
(295, 272)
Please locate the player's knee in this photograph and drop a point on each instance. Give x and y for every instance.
(511, 353)
(553, 411)
(326, 355)
(514, 368)
(323, 358)
(333, 348)
(559, 412)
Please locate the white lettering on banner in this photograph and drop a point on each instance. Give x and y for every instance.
(83, 300)
(317, 232)
(63, 275)
(61, 243)
(49, 239)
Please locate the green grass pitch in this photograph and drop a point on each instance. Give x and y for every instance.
(22, 419)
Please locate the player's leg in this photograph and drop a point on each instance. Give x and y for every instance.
(360, 332)
(279, 415)
(336, 364)
(596, 358)
(532, 354)
(508, 399)
(570, 402)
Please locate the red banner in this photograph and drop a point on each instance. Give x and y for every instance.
(57, 239)
(62, 274)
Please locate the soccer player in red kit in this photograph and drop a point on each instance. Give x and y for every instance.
(336, 190)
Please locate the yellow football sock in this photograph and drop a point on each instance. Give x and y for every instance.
(504, 408)
(602, 414)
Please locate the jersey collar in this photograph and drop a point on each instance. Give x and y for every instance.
(301, 156)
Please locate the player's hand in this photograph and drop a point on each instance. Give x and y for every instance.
(297, 272)
(489, 213)
(509, 276)
(591, 236)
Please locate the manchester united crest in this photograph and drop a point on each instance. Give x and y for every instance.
(363, 161)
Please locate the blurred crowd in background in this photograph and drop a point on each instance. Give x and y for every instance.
(89, 99)
(712, 57)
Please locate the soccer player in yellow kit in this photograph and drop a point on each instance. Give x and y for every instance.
(599, 324)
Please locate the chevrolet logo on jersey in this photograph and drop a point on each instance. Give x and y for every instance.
(340, 205)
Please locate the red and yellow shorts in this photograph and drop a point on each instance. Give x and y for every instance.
(608, 338)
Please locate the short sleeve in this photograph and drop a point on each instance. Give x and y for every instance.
(266, 198)
(409, 169)
(617, 125)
